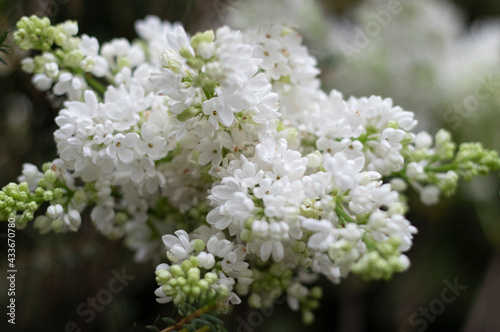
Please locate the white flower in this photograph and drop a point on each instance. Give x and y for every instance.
(345, 172)
(70, 85)
(207, 260)
(93, 62)
(151, 144)
(219, 248)
(42, 82)
(32, 175)
(272, 247)
(162, 298)
(73, 220)
(55, 211)
(429, 195)
(233, 262)
(178, 246)
(423, 140)
(210, 152)
(122, 146)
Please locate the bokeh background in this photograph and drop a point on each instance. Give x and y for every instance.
(429, 58)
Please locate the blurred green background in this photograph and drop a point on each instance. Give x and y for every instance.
(458, 239)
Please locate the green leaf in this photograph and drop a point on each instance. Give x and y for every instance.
(3, 46)
(169, 320)
(213, 319)
(202, 322)
(153, 328)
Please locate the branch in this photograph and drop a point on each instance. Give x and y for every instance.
(189, 318)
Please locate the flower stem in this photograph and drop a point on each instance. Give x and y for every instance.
(339, 209)
(98, 87)
(189, 318)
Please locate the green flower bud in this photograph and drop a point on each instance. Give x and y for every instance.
(308, 212)
(186, 265)
(193, 275)
(186, 289)
(23, 186)
(123, 62)
(246, 235)
(287, 274)
(222, 290)
(187, 114)
(48, 195)
(194, 261)
(395, 241)
(198, 246)
(163, 276)
(442, 137)
(23, 196)
(316, 292)
(50, 176)
(73, 44)
(9, 201)
(392, 124)
(396, 208)
(307, 317)
(121, 217)
(22, 220)
(211, 277)
(305, 262)
(395, 264)
(185, 52)
(203, 285)
(276, 269)
(81, 197)
(180, 299)
(177, 271)
(298, 247)
(385, 248)
(20, 206)
(87, 64)
(170, 60)
(57, 225)
(32, 206)
(248, 223)
(60, 39)
(419, 155)
(171, 257)
(42, 183)
(202, 37)
(181, 281)
(195, 290)
(73, 59)
(167, 289)
(46, 166)
(255, 301)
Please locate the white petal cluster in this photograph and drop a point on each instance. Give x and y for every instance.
(225, 143)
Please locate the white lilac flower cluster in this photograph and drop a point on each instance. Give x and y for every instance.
(226, 140)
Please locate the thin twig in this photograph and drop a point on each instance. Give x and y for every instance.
(189, 318)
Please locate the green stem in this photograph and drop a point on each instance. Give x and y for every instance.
(189, 318)
(442, 168)
(94, 84)
(339, 209)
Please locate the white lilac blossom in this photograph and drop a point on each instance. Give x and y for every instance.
(222, 149)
